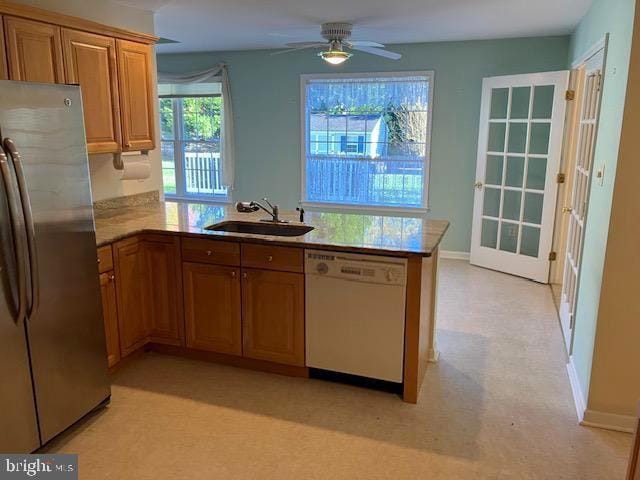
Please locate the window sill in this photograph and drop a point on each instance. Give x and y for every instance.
(204, 200)
(373, 209)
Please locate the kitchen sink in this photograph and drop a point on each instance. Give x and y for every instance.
(277, 229)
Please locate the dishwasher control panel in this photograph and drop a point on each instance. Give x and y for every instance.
(363, 268)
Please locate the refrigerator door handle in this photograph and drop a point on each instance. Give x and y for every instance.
(10, 147)
(17, 231)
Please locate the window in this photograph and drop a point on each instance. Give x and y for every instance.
(191, 140)
(366, 138)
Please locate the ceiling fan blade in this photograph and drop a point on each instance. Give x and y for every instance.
(306, 44)
(379, 52)
(289, 50)
(363, 43)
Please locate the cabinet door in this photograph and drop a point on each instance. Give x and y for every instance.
(90, 60)
(212, 308)
(164, 289)
(273, 316)
(131, 292)
(4, 74)
(110, 314)
(34, 51)
(136, 95)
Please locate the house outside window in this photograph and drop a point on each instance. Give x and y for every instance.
(366, 139)
(191, 125)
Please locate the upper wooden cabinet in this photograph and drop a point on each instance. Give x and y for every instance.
(4, 74)
(136, 95)
(90, 61)
(34, 51)
(113, 66)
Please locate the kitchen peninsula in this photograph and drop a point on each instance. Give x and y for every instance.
(171, 285)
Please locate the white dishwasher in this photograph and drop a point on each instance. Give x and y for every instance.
(355, 307)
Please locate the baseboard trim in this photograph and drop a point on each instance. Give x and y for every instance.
(594, 418)
(609, 421)
(576, 390)
(454, 255)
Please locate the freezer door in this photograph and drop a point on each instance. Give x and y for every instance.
(65, 331)
(18, 422)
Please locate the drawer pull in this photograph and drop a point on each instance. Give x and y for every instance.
(112, 278)
(270, 258)
(209, 252)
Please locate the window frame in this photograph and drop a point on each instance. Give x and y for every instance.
(178, 159)
(304, 132)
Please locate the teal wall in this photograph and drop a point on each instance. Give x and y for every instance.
(616, 18)
(266, 102)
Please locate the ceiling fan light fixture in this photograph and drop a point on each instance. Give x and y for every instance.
(335, 57)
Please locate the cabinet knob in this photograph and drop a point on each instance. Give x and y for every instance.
(244, 275)
(270, 258)
(233, 274)
(209, 252)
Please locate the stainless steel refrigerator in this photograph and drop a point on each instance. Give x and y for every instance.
(53, 362)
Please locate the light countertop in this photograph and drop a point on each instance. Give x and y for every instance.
(382, 234)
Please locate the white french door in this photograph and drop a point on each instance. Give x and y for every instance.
(519, 148)
(587, 131)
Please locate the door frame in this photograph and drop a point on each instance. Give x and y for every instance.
(535, 272)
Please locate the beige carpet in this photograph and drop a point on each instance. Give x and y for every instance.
(497, 405)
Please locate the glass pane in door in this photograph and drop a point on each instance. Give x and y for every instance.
(499, 103)
(520, 102)
(543, 102)
(493, 175)
(539, 143)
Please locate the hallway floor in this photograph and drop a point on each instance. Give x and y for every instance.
(498, 405)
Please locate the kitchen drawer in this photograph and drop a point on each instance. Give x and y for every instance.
(105, 259)
(286, 259)
(210, 251)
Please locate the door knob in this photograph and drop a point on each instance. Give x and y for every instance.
(478, 185)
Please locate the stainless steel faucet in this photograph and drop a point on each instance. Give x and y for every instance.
(253, 206)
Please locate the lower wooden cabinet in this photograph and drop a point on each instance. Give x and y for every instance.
(273, 316)
(152, 296)
(212, 308)
(149, 291)
(163, 289)
(130, 271)
(110, 314)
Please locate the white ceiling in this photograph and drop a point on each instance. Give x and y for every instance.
(201, 25)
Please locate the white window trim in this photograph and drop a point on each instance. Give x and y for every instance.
(304, 80)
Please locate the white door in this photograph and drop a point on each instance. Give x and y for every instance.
(587, 130)
(519, 147)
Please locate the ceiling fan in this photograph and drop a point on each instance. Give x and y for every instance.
(337, 40)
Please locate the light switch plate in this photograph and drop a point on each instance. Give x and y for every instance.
(600, 176)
